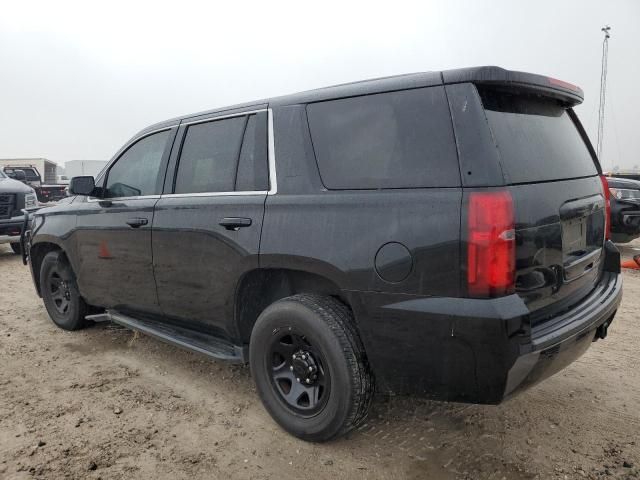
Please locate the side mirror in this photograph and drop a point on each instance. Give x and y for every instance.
(84, 185)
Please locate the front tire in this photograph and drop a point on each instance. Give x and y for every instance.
(60, 292)
(310, 367)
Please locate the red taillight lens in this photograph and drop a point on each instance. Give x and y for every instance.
(607, 207)
(562, 83)
(491, 244)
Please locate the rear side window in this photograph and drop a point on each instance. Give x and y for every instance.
(253, 169)
(392, 140)
(209, 156)
(537, 138)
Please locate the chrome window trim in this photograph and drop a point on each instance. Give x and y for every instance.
(271, 157)
(113, 199)
(222, 117)
(271, 147)
(215, 194)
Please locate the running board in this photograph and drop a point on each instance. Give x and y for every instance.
(199, 342)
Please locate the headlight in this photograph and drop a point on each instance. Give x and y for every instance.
(30, 200)
(625, 194)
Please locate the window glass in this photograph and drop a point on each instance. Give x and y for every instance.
(29, 173)
(209, 156)
(391, 140)
(537, 139)
(136, 172)
(253, 164)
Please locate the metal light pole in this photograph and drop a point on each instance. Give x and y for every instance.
(603, 88)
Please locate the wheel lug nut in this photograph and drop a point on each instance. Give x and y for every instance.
(304, 357)
(297, 379)
(311, 369)
(291, 368)
(308, 381)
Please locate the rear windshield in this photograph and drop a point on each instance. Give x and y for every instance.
(29, 173)
(390, 140)
(537, 138)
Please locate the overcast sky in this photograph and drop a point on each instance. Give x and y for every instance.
(77, 81)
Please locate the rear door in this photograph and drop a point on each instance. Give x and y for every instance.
(113, 235)
(553, 177)
(206, 228)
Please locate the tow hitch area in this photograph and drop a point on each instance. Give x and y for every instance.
(601, 331)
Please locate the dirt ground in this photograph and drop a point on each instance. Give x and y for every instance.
(106, 403)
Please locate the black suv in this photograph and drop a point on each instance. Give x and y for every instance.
(441, 233)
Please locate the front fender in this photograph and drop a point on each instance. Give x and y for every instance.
(51, 228)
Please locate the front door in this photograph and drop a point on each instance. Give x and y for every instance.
(113, 234)
(206, 230)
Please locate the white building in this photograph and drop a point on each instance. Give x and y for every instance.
(77, 168)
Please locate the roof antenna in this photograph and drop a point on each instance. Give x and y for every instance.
(603, 88)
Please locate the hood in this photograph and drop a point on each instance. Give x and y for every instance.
(9, 185)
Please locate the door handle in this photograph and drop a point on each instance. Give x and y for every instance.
(137, 222)
(235, 223)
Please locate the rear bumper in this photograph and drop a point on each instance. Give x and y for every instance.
(562, 339)
(473, 350)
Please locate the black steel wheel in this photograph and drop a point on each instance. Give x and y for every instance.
(310, 367)
(298, 373)
(60, 293)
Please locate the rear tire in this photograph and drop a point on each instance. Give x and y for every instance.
(310, 367)
(60, 292)
(15, 246)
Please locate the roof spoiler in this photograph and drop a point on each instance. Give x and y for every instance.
(499, 77)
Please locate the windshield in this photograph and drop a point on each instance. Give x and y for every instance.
(537, 138)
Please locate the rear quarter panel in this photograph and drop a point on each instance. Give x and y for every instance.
(337, 233)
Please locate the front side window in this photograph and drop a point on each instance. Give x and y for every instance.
(136, 172)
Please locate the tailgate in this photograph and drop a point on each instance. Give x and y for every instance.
(559, 205)
(559, 241)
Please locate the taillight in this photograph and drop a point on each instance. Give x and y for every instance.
(563, 84)
(491, 244)
(607, 207)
